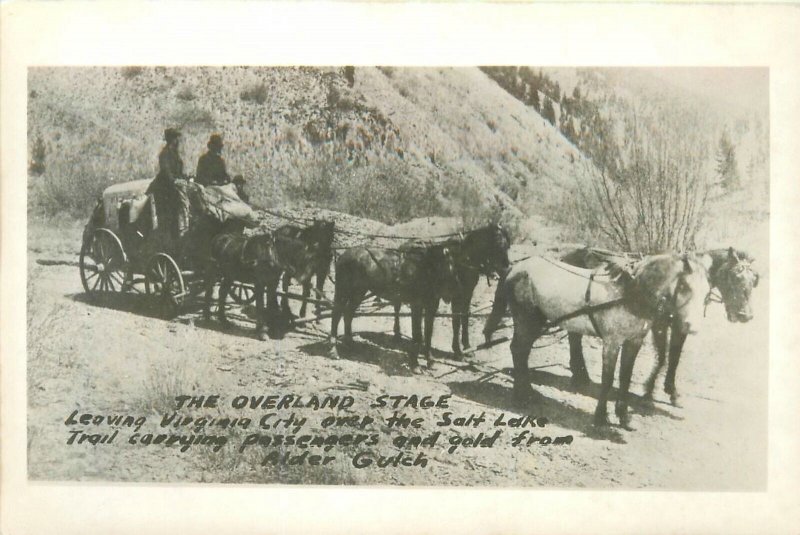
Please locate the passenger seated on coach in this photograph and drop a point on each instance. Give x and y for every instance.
(211, 166)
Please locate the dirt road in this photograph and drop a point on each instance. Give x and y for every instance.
(115, 356)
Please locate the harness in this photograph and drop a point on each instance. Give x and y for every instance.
(711, 297)
(589, 309)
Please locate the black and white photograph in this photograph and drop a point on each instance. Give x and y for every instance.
(398, 275)
(336, 266)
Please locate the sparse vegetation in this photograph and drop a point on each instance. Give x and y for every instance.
(401, 143)
(38, 153)
(132, 72)
(186, 94)
(191, 116)
(257, 93)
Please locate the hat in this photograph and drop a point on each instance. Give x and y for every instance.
(170, 134)
(215, 141)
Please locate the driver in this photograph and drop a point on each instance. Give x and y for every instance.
(168, 198)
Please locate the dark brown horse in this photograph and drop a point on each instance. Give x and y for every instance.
(321, 234)
(731, 273)
(483, 251)
(258, 260)
(610, 302)
(415, 275)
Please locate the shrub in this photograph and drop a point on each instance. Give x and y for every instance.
(38, 153)
(256, 93)
(190, 116)
(132, 72)
(186, 94)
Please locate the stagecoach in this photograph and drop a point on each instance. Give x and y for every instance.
(125, 249)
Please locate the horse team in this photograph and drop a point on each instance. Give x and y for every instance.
(616, 297)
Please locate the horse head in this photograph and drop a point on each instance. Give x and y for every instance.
(736, 278)
(321, 232)
(492, 247)
(670, 285)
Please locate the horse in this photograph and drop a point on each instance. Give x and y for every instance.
(483, 251)
(731, 273)
(259, 260)
(609, 302)
(414, 275)
(320, 232)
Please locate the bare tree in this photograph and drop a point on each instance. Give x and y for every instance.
(648, 192)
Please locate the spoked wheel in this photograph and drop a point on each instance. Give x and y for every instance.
(103, 263)
(163, 278)
(242, 294)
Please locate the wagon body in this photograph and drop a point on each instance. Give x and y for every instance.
(125, 249)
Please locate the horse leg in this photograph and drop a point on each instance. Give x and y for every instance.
(258, 288)
(498, 310)
(577, 363)
(320, 288)
(610, 352)
(660, 329)
(430, 315)
(527, 328)
(350, 312)
(285, 308)
(336, 314)
(465, 304)
(306, 292)
(457, 315)
(630, 349)
(416, 336)
(676, 341)
(397, 334)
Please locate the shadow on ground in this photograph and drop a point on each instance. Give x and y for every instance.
(499, 397)
(393, 362)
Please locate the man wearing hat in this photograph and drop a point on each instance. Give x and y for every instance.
(163, 187)
(211, 166)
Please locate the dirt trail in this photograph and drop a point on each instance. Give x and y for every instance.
(117, 356)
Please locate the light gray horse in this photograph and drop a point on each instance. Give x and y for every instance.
(608, 302)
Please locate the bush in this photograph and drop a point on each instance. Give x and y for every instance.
(257, 93)
(190, 116)
(186, 94)
(38, 153)
(130, 73)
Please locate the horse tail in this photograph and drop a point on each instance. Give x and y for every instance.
(499, 307)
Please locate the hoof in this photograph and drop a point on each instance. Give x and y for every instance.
(416, 369)
(673, 400)
(333, 354)
(601, 417)
(601, 421)
(626, 424)
(262, 336)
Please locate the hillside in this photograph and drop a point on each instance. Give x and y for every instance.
(393, 145)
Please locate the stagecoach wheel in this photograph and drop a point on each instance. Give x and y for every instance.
(103, 263)
(163, 278)
(243, 294)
